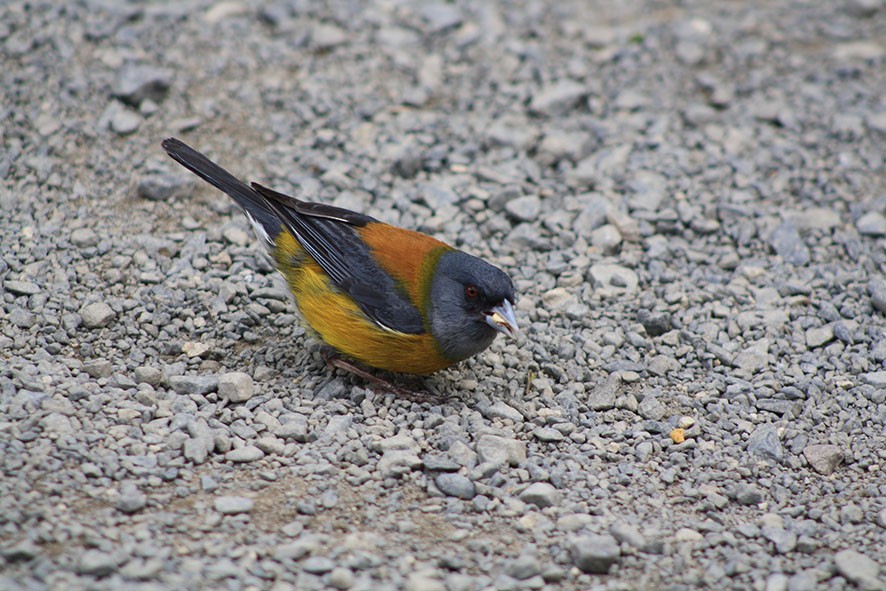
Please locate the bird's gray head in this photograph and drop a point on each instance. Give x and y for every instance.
(471, 302)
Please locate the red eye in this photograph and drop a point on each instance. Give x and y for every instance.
(472, 292)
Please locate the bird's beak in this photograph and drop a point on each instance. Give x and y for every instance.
(502, 318)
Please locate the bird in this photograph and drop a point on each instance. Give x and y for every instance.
(389, 298)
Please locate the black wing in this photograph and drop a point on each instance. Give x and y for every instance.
(329, 235)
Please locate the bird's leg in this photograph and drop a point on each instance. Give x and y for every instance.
(333, 359)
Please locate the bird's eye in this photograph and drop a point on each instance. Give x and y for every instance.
(472, 292)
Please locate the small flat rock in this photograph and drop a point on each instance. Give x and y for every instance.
(747, 494)
(325, 37)
(788, 244)
(595, 554)
(26, 288)
(603, 396)
(196, 450)
(540, 494)
(295, 428)
(187, 384)
(557, 98)
(84, 237)
(455, 485)
(820, 335)
(877, 291)
(525, 208)
(610, 279)
(125, 121)
(236, 386)
(824, 458)
(500, 450)
(651, 408)
(397, 462)
(136, 82)
(764, 441)
(97, 315)
(524, 566)
(232, 505)
(875, 378)
(161, 187)
(872, 224)
(440, 16)
(859, 569)
(547, 434)
(502, 410)
(131, 499)
(247, 453)
(629, 534)
(148, 375)
(96, 563)
(341, 578)
(317, 565)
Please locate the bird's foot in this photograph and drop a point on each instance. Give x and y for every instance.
(333, 359)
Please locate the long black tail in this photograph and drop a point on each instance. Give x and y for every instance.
(256, 207)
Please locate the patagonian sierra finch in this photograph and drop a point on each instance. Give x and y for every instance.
(391, 298)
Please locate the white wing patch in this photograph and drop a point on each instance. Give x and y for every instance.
(259, 229)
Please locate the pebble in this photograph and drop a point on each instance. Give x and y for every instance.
(236, 386)
(595, 554)
(610, 280)
(541, 494)
(872, 224)
(97, 315)
(341, 578)
(747, 494)
(84, 237)
(764, 441)
(877, 291)
(188, 384)
(455, 485)
(247, 453)
(500, 450)
(26, 288)
(557, 98)
(96, 563)
(824, 459)
(859, 569)
(525, 208)
(819, 336)
(138, 82)
(787, 243)
(233, 505)
(131, 499)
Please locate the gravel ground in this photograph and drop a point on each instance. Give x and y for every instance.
(689, 197)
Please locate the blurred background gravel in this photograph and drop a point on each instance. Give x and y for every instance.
(689, 196)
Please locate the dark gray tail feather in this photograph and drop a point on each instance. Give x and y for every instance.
(256, 207)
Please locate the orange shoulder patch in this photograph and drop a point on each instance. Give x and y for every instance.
(409, 257)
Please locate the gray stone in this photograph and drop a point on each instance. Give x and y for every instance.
(341, 578)
(501, 410)
(232, 505)
(397, 462)
(609, 279)
(455, 485)
(500, 450)
(557, 98)
(783, 540)
(295, 428)
(525, 208)
(148, 375)
(131, 499)
(136, 83)
(604, 395)
(787, 243)
(859, 569)
(440, 16)
(872, 224)
(764, 441)
(97, 315)
(236, 386)
(325, 37)
(818, 336)
(156, 186)
(824, 459)
(189, 384)
(524, 566)
(595, 554)
(98, 368)
(84, 237)
(540, 494)
(125, 121)
(877, 291)
(806, 580)
(876, 379)
(247, 453)
(629, 534)
(26, 288)
(650, 408)
(547, 434)
(606, 238)
(317, 565)
(747, 494)
(196, 450)
(96, 563)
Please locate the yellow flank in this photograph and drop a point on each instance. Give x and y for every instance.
(342, 325)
